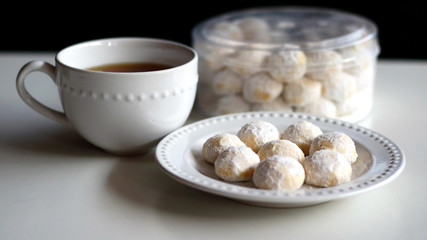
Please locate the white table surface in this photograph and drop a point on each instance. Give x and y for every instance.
(54, 185)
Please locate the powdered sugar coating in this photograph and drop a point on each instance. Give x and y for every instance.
(279, 173)
(327, 168)
(302, 133)
(359, 56)
(281, 147)
(246, 62)
(289, 50)
(218, 143)
(212, 60)
(302, 92)
(236, 164)
(286, 66)
(257, 133)
(261, 88)
(253, 28)
(337, 141)
(227, 82)
(339, 87)
(324, 64)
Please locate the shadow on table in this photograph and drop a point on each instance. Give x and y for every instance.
(141, 182)
(50, 141)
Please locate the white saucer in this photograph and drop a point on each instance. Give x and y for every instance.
(179, 154)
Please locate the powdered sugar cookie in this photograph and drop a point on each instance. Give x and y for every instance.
(227, 82)
(324, 64)
(279, 173)
(339, 87)
(281, 147)
(302, 133)
(302, 92)
(337, 141)
(236, 164)
(261, 88)
(246, 62)
(359, 56)
(218, 143)
(208, 66)
(286, 66)
(253, 28)
(257, 133)
(213, 59)
(327, 168)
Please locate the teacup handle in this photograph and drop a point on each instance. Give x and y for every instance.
(48, 69)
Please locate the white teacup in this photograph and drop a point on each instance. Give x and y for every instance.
(121, 112)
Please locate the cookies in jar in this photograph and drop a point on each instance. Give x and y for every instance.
(314, 60)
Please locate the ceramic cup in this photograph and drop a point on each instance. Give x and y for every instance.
(121, 112)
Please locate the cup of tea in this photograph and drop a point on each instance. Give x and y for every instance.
(120, 94)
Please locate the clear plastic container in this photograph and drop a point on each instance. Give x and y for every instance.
(295, 59)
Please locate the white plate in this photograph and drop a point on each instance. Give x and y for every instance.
(179, 155)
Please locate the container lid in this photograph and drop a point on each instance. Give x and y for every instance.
(286, 28)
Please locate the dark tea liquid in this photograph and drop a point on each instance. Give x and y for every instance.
(130, 67)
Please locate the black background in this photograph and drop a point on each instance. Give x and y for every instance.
(52, 26)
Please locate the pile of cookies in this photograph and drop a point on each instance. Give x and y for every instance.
(268, 61)
(301, 153)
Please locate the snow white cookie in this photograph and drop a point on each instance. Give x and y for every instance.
(302, 133)
(257, 133)
(218, 143)
(279, 173)
(236, 164)
(261, 88)
(337, 141)
(282, 148)
(327, 168)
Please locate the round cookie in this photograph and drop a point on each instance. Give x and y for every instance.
(302, 92)
(302, 133)
(218, 143)
(236, 164)
(360, 57)
(227, 82)
(323, 65)
(286, 66)
(340, 87)
(327, 168)
(246, 62)
(261, 88)
(279, 173)
(282, 148)
(213, 59)
(257, 133)
(253, 28)
(337, 141)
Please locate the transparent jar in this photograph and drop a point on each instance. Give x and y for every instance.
(294, 59)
